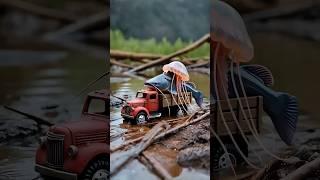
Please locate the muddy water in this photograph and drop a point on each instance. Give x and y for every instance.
(31, 84)
(126, 87)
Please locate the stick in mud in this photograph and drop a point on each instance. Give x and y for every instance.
(37, 119)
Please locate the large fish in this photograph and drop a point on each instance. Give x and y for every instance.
(281, 107)
(164, 83)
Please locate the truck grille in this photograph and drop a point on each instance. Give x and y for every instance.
(55, 150)
(127, 109)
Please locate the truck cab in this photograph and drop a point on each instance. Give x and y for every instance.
(78, 149)
(143, 107)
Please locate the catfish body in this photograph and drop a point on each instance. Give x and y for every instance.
(281, 107)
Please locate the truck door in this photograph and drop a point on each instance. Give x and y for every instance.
(153, 102)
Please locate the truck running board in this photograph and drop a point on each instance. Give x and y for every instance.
(155, 115)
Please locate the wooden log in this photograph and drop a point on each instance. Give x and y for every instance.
(39, 11)
(167, 58)
(303, 171)
(133, 153)
(117, 63)
(147, 57)
(118, 54)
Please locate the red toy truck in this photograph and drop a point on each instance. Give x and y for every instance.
(78, 149)
(149, 103)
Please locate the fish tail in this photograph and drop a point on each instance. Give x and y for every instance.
(286, 117)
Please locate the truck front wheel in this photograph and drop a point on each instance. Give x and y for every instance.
(97, 170)
(141, 118)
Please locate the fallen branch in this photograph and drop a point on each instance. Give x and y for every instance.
(117, 63)
(92, 83)
(134, 152)
(167, 58)
(147, 57)
(38, 120)
(303, 171)
(118, 54)
(39, 11)
(118, 98)
(168, 121)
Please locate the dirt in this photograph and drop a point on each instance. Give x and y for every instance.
(191, 145)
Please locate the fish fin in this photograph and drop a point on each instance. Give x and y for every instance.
(262, 72)
(286, 121)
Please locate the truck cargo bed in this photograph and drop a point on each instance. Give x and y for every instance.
(255, 106)
(173, 99)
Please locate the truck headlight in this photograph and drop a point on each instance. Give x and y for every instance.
(43, 141)
(72, 151)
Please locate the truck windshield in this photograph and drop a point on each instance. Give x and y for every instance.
(97, 106)
(141, 95)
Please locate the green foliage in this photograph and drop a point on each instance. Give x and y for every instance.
(119, 42)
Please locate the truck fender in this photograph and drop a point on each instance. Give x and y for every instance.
(86, 153)
(139, 109)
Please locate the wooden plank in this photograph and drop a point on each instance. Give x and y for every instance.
(222, 131)
(238, 115)
(255, 104)
(173, 99)
(254, 113)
